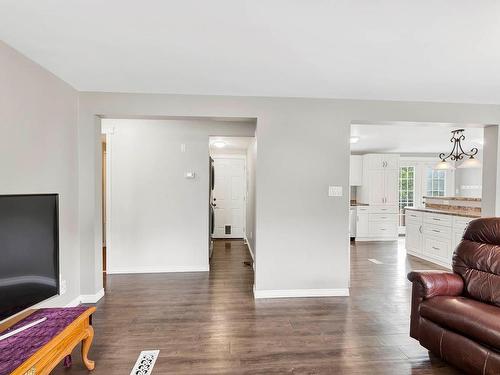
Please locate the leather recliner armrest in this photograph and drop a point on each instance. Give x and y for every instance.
(437, 283)
(428, 284)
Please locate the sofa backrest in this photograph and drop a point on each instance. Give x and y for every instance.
(477, 260)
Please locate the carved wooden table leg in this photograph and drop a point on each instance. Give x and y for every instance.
(87, 341)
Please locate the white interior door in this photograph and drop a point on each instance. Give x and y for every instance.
(229, 198)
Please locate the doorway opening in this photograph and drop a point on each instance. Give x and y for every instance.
(232, 189)
(401, 192)
(155, 173)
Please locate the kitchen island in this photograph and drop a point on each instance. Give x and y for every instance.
(434, 233)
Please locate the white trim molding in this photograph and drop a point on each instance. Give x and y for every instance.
(251, 253)
(92, 298)
(249, 248)
(300, 293)
(73, 303)
(118, 271)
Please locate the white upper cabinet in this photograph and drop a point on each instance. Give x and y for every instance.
(356, 170)
(380, 180)
(391, 186)
(381, 161)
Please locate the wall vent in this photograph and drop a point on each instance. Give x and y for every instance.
(145, 363)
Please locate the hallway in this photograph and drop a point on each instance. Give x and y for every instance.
(209, 323)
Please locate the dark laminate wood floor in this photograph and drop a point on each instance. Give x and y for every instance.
(209, 323)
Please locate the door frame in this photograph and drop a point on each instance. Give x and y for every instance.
(245, 197)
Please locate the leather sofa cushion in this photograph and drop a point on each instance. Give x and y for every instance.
(476, 320)
(477, 260)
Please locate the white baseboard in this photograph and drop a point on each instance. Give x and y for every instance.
(142, 269)
(251, 252)
(74, 303)
(86, 298)
(92, 298)
(301, 293)
(429, 259)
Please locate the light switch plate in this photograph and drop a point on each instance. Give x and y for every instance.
(334, 191)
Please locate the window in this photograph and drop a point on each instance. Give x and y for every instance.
(436, 183)
(406, 191)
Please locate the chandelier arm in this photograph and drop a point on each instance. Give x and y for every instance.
(442, 155)
(454, 154)
(471, 153)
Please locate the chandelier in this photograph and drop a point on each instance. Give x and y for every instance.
(457, 153)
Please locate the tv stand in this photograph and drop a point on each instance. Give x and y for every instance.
(38, 349)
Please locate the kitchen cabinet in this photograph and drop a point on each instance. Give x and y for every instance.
(356, 170)
(381, 161)
(376, 223)
(380, 180)
(433, 236)
(362, 229)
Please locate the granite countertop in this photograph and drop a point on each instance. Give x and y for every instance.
(465, 199)
(355, 204)
(445, 212)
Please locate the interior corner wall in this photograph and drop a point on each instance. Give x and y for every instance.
(250, 233)
(158, 218)
(38, 150)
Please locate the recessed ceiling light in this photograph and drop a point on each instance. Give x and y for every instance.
(219, 144)
(354, 139)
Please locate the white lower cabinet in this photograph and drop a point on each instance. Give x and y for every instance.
(377, 223)
(362, 225)
(434, 237)
(437, 248)
(414, 238)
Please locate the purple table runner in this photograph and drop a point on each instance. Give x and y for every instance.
(18, 348)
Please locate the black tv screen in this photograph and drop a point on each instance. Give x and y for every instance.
(29, 251)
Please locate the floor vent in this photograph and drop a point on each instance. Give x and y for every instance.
(145, 362)
(375, 261)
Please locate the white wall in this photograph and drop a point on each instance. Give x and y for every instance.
(303, 245)
(468, 182)
(38, 149)
(250, 203)
(159, 219)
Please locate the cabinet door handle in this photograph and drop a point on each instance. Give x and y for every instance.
(420, 229)
(436, 248)
(436, 219)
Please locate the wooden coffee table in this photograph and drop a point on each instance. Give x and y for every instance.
(39, 349)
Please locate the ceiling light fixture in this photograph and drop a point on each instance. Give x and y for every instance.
(219, 144)
(457, 153)
(354, 139)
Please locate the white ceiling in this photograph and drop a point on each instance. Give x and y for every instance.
(445, 50)
(414, 139)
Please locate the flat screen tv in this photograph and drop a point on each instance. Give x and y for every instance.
(29, 251)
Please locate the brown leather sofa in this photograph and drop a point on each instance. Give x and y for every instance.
(456, 315)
